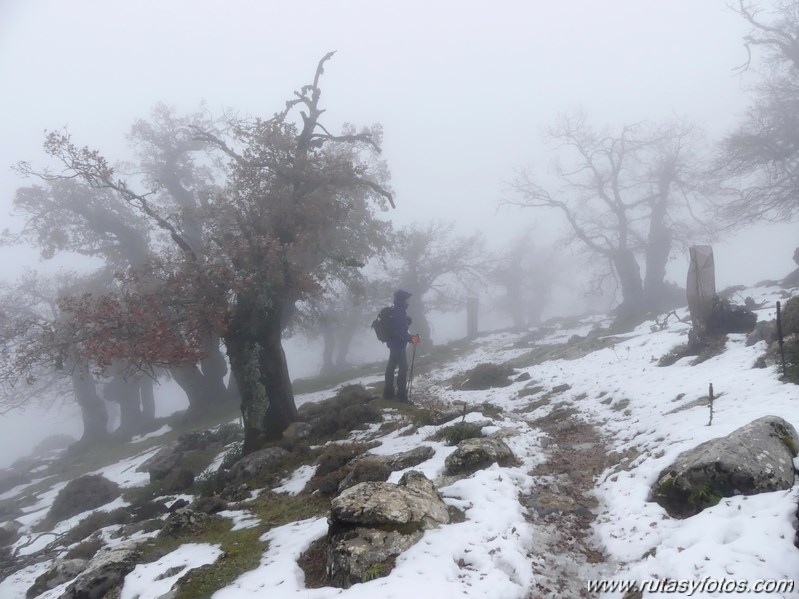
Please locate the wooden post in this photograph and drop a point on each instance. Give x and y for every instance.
(472, 307)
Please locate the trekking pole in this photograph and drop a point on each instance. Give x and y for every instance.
(780, 338)
(410, 373)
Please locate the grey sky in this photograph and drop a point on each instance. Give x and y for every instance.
(462, 88)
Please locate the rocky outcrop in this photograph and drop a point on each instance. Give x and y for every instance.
(756, 458)
(179, 455)
(373, 522)
(82, 494)
(61, 572)
(105, 573)
(475, 454)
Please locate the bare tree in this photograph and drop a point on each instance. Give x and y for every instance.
(41, 359)
(527, 271)
(760, 157)
(436, 266)
(626, 196)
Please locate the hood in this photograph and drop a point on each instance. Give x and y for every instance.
(400, 295)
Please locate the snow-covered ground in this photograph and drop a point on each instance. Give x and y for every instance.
(641, 409)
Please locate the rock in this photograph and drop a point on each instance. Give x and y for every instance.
(162, 462)
(400, 512)
(179, 479)
(525, 376)
(180, 503)
(412, 504)
(763, 331)
(475, 454)
(82, 494)
(366, 469)
(105, 572)
(561, 388)
(408, 459)
(756, 458)
(209, 505)
(486, 376)
(182, 521)
(203, 440)
(251, 465)
(61, 572)
(357, 551)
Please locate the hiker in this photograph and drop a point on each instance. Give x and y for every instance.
(398, 339)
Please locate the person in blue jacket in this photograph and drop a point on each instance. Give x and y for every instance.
(397, 343)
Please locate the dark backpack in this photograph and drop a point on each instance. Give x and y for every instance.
(382, 324)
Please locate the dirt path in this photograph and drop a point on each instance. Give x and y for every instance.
(562, 506)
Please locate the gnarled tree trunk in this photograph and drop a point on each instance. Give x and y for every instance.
(255, 350)
(632, 289)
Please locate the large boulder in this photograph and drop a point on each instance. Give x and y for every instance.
(105, 573)
(356, 553)
(83, 494)
(756, 458)
(256, 463)
(373, 522)
(475, 454)
(413, 503)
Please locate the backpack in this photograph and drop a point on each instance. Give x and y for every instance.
(382, 324)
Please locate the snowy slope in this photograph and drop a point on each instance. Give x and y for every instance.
(643, 411)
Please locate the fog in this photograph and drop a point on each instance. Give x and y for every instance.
(463, 91)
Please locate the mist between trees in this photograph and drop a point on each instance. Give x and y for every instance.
(222, 236)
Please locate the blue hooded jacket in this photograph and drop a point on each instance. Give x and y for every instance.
(400, 321)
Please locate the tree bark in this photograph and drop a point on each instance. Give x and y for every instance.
(255, 350)
(126, 394)
(201, 392)
(92, 409)
(329, 341)
(658, 250)
(632, 289)
(658, 247)
(147, 396)
(344, 338)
